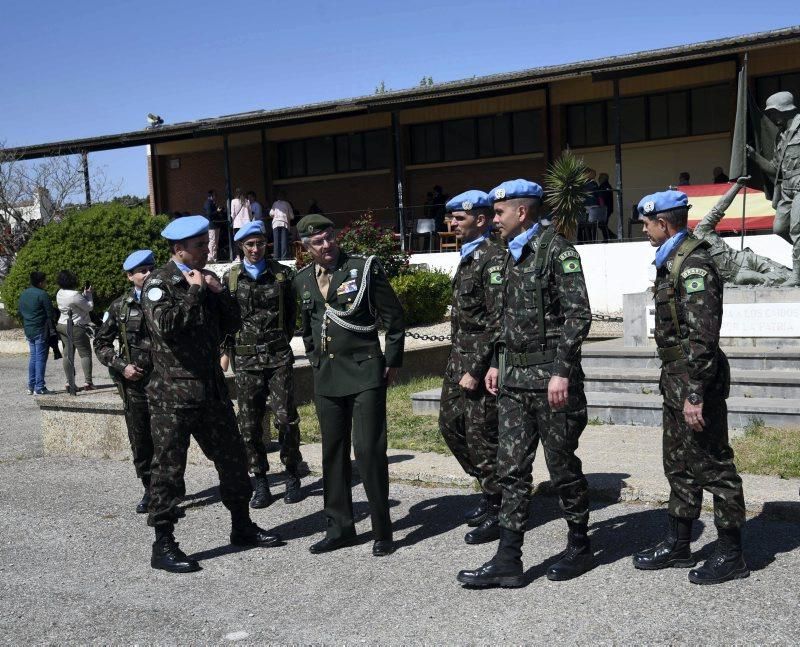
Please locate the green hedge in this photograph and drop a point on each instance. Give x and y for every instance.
(425, 295)
(92, 243)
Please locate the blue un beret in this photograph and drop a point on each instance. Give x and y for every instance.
(186, 227)
(472, 199)
(254, 228)
(656, 203)
(511, 189)
(137, 259)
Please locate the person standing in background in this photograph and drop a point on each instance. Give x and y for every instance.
(36, 311)
(605, 196)
(211, 211)
(282, 214)
(240, 216)
(256, 210)
(80, 304)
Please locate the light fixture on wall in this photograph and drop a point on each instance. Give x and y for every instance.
(175, 163)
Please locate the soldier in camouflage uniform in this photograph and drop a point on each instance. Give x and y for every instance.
(343, 297)
(785, 168)
(468, 413)
(739, 267)
(695, 379)
(539, 381)
(263, 360)
(188, 312)
(130, 365)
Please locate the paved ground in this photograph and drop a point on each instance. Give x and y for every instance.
(74, 568)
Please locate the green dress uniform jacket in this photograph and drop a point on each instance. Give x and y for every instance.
(347, 362)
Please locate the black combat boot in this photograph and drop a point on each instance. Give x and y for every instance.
(674, 551)
(167, 556)
(489, 530)
(143, 506)
(294, 493)
(477, 516)
(245, 533)
(577, 559)
(262, 497)
(504, 569)
(726, 562)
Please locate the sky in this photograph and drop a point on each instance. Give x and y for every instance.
(83, 68)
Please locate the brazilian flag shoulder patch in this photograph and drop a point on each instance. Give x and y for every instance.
(694, 279)
(570, 261)
(496, 275)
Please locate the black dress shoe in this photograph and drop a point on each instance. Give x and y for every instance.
(255, 536)
(494, 573)
(167, 556)
(383, 547)
(294, 493)
(330, 543)
(143, 505)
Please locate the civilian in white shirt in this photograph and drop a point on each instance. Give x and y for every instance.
(80, 304)
(256, 210)
(240, 215)
(281, 214)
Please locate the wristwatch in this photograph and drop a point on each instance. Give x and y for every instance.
(694, 399)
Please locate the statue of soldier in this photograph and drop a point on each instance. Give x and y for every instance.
(130, 365)
(739, 267)
(785, 168)
(188, 314)
(468, 412)
(263, 359)
(539, 381)
(695, 380)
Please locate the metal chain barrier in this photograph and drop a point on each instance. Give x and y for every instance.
(414, 335)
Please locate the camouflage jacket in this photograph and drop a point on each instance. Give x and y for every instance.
(701, 367)
(125, 312)
(187, 325)
(475, 313)
(347, 362)
(268, 308)
(566, 315)
(787, 155)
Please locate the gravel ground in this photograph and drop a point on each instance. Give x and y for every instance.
(74, 567)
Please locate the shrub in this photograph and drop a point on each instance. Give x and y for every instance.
(92, 244)
(425, 295)
(365, 236)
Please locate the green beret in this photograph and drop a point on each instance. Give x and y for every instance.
(313, 223)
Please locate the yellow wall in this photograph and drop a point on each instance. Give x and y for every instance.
(493, 105)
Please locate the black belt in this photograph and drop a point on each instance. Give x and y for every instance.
(530, 359)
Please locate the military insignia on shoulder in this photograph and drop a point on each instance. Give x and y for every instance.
(495, 277)
(571, 265)
(306, 295)
(695, 284)
(280, 276)
(570, 253)
(154, 282)
(477, 255)
(176, 279)
(669, 266)
(106, 316)
(693, 271)
(154, 294)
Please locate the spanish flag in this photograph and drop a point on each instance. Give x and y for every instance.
(758, 215)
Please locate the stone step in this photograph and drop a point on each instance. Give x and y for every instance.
(744, 383)
(613, 354)
(642, 409)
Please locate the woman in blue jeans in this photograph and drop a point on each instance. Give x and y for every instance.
(36, 311)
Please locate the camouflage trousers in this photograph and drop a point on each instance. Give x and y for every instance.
(137, 420)
(525, 419)
(255, 391)
(697, 461)
(468, 424)
(214, 428)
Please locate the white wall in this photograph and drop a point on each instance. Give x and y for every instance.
(615, 269)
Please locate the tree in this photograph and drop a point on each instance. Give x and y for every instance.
(426, 82)
(381, 88)
(55, 182)
(565, 192)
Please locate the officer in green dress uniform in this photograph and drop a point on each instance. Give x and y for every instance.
(343, 296)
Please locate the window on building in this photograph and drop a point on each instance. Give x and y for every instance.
(711, 109)
(668, 115)
(335, 154)
(633, 119)
(462, 139)
(769, 85)
(586, 124)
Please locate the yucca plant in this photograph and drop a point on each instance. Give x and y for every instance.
(564, 192)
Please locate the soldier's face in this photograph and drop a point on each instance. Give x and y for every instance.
(138, 275)
(508, 219)
(466, 225)
(254, 248)
(193, 251)
(323, 247)
(778, 117)
(655, 229)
